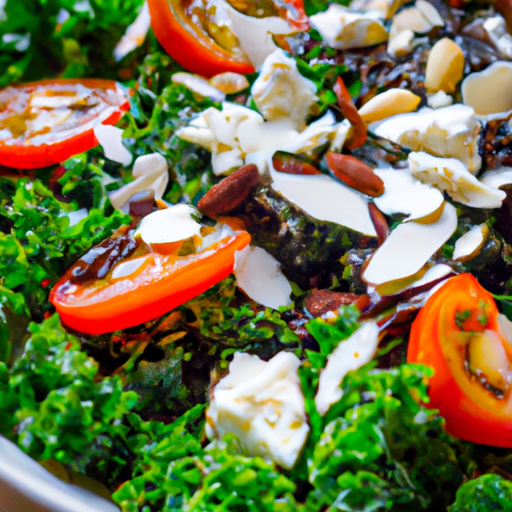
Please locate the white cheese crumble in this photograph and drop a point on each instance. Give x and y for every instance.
(237, 135)
(169, 225)
(496, 27)
(150, 173)
(342, 28)
(439, 99)
(259, 275)
(449, 132)
(349, 355)
(281, 92)
(262, 403)
(450, 175)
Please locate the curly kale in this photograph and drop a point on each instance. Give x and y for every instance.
(69, 38)
(37, 244)
(488, 493)
(54, 406)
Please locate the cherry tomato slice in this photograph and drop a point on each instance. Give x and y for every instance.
(44, 123)
(457, 334)
(188, 44)
(94, 298)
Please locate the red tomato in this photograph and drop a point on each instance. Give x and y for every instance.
(93, 297)
(190, 35)
(457, 334)
(44, 123)
(188, 44)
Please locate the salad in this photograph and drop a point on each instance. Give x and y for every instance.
(256, 256)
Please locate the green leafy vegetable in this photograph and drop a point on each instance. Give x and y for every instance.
(70, 38)
(40, 245)
(55, 407)
(488, 493)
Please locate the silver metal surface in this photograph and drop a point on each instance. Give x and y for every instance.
(25, 486)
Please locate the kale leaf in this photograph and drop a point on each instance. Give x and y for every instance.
(70, 38)
(53, 405)
(486, 493)
(213, 479)
(38, 244)
(377, 448)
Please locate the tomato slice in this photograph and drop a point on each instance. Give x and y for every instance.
(194, 33)
(44, 123)
(123, 282)
(458, 335)
(191, 46)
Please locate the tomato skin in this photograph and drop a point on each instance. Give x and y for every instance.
(22, 156)
(150, 298)
(468, 416)
(194, 51)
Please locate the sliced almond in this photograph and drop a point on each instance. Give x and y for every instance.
(496, 81)
(229, 82)
(430, 13)
(409, 247)
(470, 243)
(199, 85)
(111, 140)
(349, 355)
(325, 199)
(401, 44)
(498, 177)
(389, 103)
(259, 275)
(411, 19)
(404, 194)
(445, 66)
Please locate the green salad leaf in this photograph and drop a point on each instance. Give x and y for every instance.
(487, 493)
(68, 38)
(54, 406)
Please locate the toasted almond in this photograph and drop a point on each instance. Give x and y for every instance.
(389, 103)
(380, 223)
(470, 243)
(409, 247)
(496, 81)
(445, 66)
(230, 192)
(355, 174)
(229, 82)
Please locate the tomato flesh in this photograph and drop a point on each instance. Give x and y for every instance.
(155, 283)
(187, 43)
(44, 123)
(454, 317)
